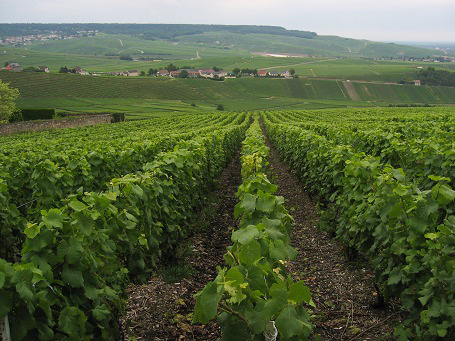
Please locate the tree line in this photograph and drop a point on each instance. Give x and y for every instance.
(431, 76)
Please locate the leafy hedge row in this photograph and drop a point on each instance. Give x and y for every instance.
(255, 294)
(33, 182)
(37, 114)
(76, 263)
(419, 150)
(407, 233)
(51, 181)
(11, 222)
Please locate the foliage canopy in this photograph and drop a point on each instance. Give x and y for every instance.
(7, 101)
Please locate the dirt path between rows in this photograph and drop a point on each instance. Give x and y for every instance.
(343, 291)
(161, 309)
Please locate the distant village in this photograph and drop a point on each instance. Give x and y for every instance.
(170, 71)
(28, 40)
(205, 73)
(173, 71)
(428, 59)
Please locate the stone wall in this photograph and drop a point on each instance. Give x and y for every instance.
(34, 126)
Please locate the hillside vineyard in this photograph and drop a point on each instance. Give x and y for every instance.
(86, 211)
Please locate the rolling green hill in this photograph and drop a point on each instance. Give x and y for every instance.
(328, 46)
(346, 68)
(65, 90)
(217, 44)
(333, 71)
(119, 44)
(182, 41)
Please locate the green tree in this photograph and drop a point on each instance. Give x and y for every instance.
(7, 105)
(220, 107)
(184, 74)
(171, 67)
(142, 73)
(291, 72)
(236, 71)
(152, 72)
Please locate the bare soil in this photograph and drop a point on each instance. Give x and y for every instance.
(351, 91)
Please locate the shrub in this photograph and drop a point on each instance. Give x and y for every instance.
(16, 117)
(37, 114)
(117, 117)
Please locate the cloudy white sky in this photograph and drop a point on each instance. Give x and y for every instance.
(380, 20)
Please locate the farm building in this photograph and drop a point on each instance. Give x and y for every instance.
(132, 73)
(162, 73)
(80, 71)
(175, 73)
(13, 67)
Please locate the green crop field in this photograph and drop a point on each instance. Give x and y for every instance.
(320, 77)
(224, 49)
(135, 108)
(320, 45)
(155, 95)
(217, 44)
(88, 212)
(377, 173)
(85, 212)
(362, 69)
(352, 69)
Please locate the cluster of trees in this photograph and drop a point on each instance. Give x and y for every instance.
(151, 72)
(64, 69)
(431, 76)
(32, 69)
(8, 97)
(148, 31)
(411, 105)
(171, 67)
(239, 72)
(126, 57)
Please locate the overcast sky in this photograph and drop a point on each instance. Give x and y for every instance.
(378, 20)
